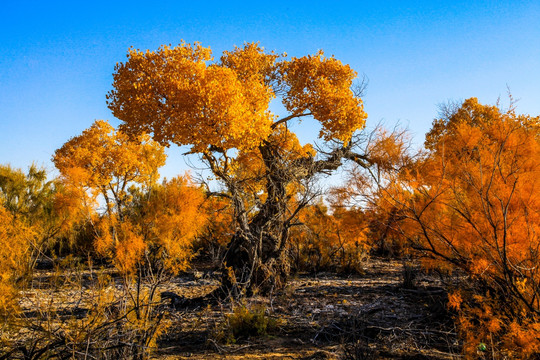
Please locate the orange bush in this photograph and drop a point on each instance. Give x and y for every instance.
(330, 241)
(473, 203)
(170, 217)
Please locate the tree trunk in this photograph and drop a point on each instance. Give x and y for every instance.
(256, 261)
(255, 264)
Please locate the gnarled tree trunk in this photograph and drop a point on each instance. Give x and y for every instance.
(256, 260)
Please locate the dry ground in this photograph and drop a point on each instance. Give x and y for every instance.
(324, 316)
(370, 316)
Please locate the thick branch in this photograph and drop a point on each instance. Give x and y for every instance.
(287, 118)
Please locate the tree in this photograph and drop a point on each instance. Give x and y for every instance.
(145, 230)
(101, 165)
(221, 110)
(105, 162)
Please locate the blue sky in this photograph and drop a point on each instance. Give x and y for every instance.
(57, 58)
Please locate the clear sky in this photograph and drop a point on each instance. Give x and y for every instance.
(57, 58)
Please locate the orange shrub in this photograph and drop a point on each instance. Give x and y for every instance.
(170, 217)
(473, 203)
(470, 202)
(330, 241)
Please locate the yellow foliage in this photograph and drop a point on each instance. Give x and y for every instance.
(162, 224)
(225, 105)
(104, 241)
(99, 166)
(129, 248)
(105, 161)
(322, 86)
(16, 241)
(221, 110)
(211, 104)
(172, 217)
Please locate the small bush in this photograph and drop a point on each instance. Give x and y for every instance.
(245, 322)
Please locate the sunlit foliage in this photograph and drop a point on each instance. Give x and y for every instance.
(39, 203)
(170, 217)
(146, 229)
(105, 162)
(16, 240)
(479, 210)
(225, 104)
(99, 166)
